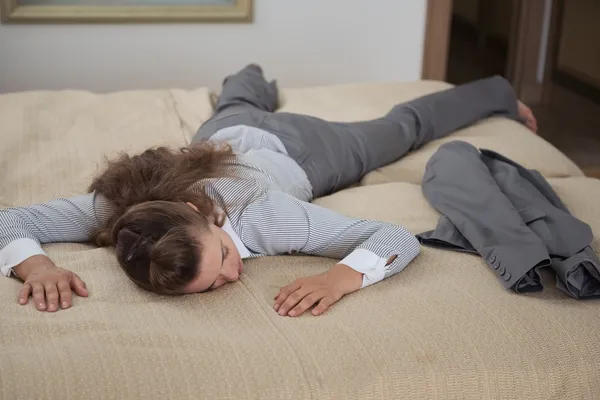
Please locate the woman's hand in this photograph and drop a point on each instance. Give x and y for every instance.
(47, 284)
(526, 114)
(324, 289)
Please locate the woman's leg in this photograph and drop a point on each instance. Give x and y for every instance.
(337, 155)
(245, 98)
(247, 89)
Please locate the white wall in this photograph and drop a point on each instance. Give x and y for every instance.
(299, 42)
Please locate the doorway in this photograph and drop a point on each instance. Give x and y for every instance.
(547, 49)
(479, 39)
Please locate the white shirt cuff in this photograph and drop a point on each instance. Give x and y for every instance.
(16, 252)
(368, 263)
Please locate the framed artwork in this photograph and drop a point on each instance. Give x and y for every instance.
(125, 11)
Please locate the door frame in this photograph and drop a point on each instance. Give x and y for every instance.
(437, 39)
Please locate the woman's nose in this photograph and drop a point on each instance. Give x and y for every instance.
(232, 273)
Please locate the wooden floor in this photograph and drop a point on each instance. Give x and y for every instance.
(572, 124)
(593, 172)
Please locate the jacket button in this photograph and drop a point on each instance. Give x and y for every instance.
(502, 271)
(495, 265)
(493, 260)
(507, 276)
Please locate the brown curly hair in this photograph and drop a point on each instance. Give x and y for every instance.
(153, 230)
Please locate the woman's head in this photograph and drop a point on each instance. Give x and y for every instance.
(171, 248)
(165, 227)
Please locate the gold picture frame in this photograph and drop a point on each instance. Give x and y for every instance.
(232, 11)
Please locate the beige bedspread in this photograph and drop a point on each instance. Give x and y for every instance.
(442, 329)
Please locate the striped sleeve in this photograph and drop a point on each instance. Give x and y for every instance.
(24, 229)
(277, 223)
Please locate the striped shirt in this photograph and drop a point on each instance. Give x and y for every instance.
(269, 212)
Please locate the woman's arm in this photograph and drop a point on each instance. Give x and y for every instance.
(24, 229)
(281, 224)
(278, 223)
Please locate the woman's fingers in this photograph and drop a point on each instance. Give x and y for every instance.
(323, 305)
(293, 299)
(50, 287)
(296, 298)
(51, 296)
(24, 294)
(39, 298)
(284, 292)
(306, 303)
(64, 290)
(78, 286)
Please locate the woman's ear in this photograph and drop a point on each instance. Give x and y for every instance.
(192, 206)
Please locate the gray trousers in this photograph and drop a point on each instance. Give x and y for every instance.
(335, 155)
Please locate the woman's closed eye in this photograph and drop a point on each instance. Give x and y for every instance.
(225, 251)
(224, 254)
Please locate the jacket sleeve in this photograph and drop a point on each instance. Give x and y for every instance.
(24, 229)
(464, 188)
(278, 223)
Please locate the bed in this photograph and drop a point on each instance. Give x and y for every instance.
(427, 333)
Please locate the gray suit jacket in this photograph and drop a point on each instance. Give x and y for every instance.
(510, 216)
